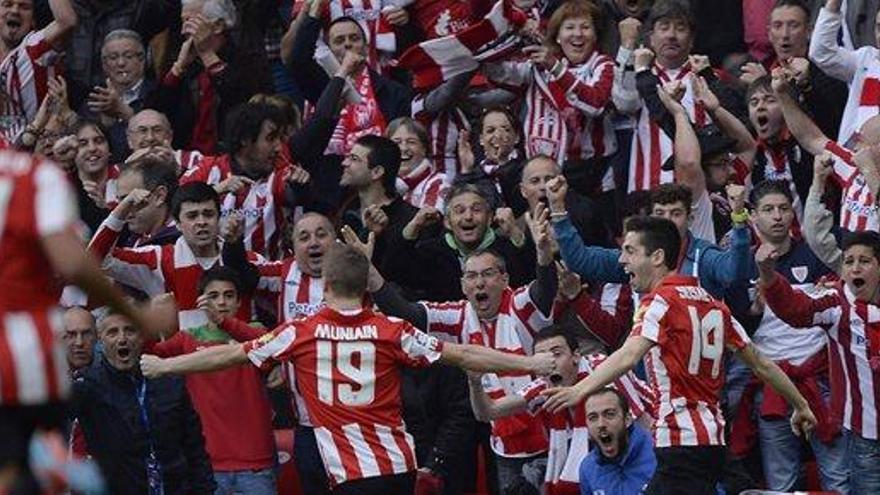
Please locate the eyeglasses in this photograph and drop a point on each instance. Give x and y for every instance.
(472, 276)
(128, 56)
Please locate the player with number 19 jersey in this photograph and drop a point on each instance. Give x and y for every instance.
(691, 330)
(347, 367)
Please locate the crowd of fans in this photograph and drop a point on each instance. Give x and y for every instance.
(485, 157)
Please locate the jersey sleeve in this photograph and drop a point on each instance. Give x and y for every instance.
(271, 276)
(55, 203)
(736, 338)
(843, 169)
(417, 348)
(445, 320)
(649, 317)
(531, 393)
(271, 348)
(39, 50)
(703, 226)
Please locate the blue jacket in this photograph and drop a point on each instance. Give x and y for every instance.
(628, 476)
(716, 268)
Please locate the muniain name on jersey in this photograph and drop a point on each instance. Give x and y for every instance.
(332, 332)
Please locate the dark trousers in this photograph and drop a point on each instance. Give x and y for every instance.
(312, 475)
(398, 484)
(690, 470)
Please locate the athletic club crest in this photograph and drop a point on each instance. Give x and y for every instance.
(800, 273)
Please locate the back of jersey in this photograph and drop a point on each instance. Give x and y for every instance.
(35, 201)
(690, 329)
(347, 369)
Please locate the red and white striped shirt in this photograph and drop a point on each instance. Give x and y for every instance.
(260, 202)
(690, 330)
(569, 435)
(512, 331)
(443, 130)
(853, 326)
(565, 116)
(348, 369)
(858, 210)
(187, 159)
(651, 147)
(36, 200)
(24, 75)
(423, 186)
(158, 269)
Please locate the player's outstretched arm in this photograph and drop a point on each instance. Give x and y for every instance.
(802, 420)
(210, 359)
(623, 360)
(485, 408)
(484, 359)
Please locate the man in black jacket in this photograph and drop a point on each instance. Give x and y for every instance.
(144, 434)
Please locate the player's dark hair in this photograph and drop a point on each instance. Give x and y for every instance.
(866, 238)
(244, 124)
(556, 330)
(154, 172)
(345, 271)
(667, 194)
(770, 186)
(384, 153)
(350, 19)
(194, 192)
(220, 273)
(621, 400)
(499, 260)
(671, 10)
(794, 3)
(657, 234)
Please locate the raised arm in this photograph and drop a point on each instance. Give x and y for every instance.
(485, 408)
(818, 221)
(798, 122)
(543, 289)
(64, 19)
(624, 93)
(802, 419)
(210, 359)
(686, 148)
(835, 60)
(731, 126)
(484, 359)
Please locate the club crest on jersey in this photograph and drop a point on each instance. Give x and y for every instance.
(800, 273)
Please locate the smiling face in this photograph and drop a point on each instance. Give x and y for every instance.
(312, 236)
(577, 38)
(123, 61)
(638, 263)
(671, 39)
(607, 423)
(199, 224)
(93, 153)
(468, 217)
(483, 281)
(789, 32)
(765, 113)
(498, 136)
(16, 20)
(122, 342)
(148, 128)
(773, 216)
(861, 272)
(565, 359)
(412, 149)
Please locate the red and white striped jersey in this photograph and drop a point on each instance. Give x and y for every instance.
(854, 329)
(565, 116)
(690, 330)
(443, 130)
(187, 159)
(36, 200)
(423, 186)
(512, 331)
(24, 75)
(299, 294)
(260, 203)
(651, 147)
(569, 435)
(158, 269)
(858, 210)
(438, 18)
(348, 369)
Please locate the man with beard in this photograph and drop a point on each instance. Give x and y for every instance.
(682, 332)
(143, 432)
(496, 316)
(624, 461)
(848, 312)
(569, 439)
(28, 59)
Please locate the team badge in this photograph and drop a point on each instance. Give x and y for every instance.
(800, 273)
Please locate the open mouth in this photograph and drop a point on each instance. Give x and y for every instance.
(762, 120)
(13, 23)
(858, 282)
(481, 297)
(123, 353)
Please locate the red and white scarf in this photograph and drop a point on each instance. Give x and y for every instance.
(357, 119)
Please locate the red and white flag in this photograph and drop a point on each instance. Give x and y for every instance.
(440, 59)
